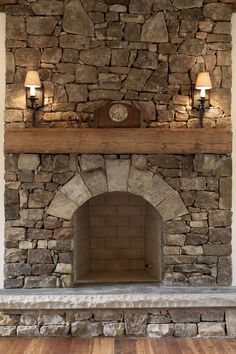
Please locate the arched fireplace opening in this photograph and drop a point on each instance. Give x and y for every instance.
(117, 238)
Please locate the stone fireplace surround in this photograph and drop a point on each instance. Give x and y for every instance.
(196, 244)
(190, 193)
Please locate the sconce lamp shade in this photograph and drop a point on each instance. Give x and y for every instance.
(32, 81)
(203, 83)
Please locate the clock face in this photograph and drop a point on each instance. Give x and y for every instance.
(118, 112)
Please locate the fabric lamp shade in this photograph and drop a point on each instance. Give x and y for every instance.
(32, 81)
(203, 81)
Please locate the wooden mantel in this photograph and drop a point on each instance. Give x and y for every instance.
(118, 141)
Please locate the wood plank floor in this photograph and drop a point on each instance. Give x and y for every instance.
(116, 346)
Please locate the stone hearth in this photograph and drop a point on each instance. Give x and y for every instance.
(138, 310)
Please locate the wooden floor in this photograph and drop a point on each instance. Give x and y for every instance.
(117, 346)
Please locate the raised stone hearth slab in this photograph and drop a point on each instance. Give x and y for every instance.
(118, 296)
(116, 311)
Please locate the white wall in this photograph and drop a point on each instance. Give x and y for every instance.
(2, 105)
(234, 148)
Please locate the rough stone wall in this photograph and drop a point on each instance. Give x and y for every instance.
(154, 323)
(192, 193)
(90, 52)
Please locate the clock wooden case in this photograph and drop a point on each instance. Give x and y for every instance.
(118, 115)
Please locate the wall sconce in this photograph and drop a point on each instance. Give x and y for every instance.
(203, 83)
(32, 81)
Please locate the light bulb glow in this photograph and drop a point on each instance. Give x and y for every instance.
(203, 92)
(32, 91)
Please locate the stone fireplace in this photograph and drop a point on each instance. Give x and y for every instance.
(86, 206)
(79, 218)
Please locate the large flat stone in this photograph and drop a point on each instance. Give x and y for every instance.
(177, 207)
(157, 191)
(122, 296)
(139, 180)
(62, 207)
(117, 175)
(76, 190)
(28, 161)
(154, 29)
(96, 181)
(76, 20)
(91, 162)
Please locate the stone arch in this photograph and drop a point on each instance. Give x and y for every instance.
(99, 175)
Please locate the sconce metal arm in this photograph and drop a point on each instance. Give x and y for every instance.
(202, 111)
(33, 100)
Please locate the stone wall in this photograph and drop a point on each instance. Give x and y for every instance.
(117, 323)
(91, 52)
(192, 194)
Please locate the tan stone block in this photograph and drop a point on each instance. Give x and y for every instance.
(27, 245)
(177, 207)
(157, 191)
(211, 329)
(192, 250)
(63, 268)
(76, 190)
(171, 250)
(62, 207)
(160, 330)
(14, 233)
(117, 175)
(28, 161)
(139, 180)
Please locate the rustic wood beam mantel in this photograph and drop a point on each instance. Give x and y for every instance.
(118, 141)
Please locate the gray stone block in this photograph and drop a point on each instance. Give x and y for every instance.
(54, 331)
(185, 330)
(85, 329)
(135, 323)
(211, 329)
(184, 316)
(160, 330)
(113, 329)
(28, 331)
